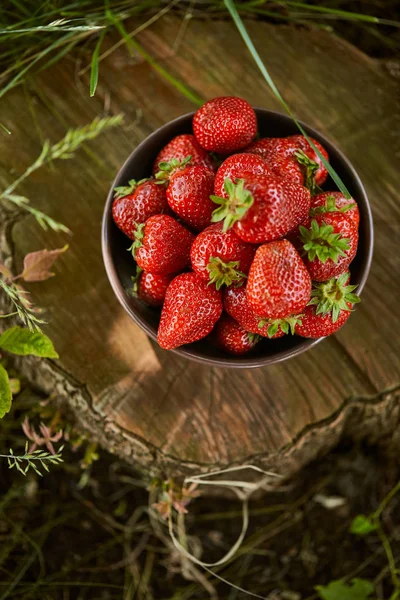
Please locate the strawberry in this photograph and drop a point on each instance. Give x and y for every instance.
(188, 194)
(335, 202)
(263, 147)
(179, 148)
(235, 165)
(150, 287)
(162, 245)
(236, 305)
(279, 284)
(191, 309)
(136, 202)
(225, 124)
(328, 243)
(302, 146)
(221, 257)
(228, 335)
(329, 308)
(262, 208)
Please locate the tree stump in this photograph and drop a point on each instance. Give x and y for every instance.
(161, 412)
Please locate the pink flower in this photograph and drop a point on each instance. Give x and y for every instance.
(47, 436)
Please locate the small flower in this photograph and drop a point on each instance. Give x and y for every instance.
(47, 436)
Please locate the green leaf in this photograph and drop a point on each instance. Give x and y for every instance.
(94, 71)
(21, 341)
(362, 525)
(5, 392)
(359, 589)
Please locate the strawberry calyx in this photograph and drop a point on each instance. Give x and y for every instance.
(234, 207)
(124, 190)
(138, 241)
(310, 169)
(254, 338)
(320, 241)
(333, 296)
(166, 169)
(135, 280)
(330, 206)
(287, 325)
(224, 273)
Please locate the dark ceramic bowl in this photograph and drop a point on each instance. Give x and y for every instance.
(120, 267)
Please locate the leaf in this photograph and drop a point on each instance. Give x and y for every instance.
(362, 525)
(37, 264)
(360, 589)
(5, 392)
(94, 73)
(21, 341)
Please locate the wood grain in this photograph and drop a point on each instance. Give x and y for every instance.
(152, 406)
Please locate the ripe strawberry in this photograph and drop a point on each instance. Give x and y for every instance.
(236, 305)
(231, 337)
(162, 245)
(328, 243)
(191, 309)
(302, 146)
(188, 194)
(335, 202)
(221, 257)
(279, 284)
(225, 124)
(235, 165)
(263, 147)
(179, 148)
(262, 208)
(136, 202)
(329, 308)
(150, 287)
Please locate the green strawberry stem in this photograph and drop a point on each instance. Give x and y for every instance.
(254, 338)
(168, 168)
(135, 280)
(287, 325)
(125, 190)
(333, 296)
(138, 241)
(321, 242)
(224, 273)
(234, 207)
(310, 169)
(330, 206)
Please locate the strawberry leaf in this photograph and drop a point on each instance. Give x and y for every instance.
(359, 589)
(5, 392)
(362, 525)
(234, 207)
(23, 342)
(320, 241)
(37, 264)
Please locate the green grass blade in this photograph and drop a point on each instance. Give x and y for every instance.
(247, 40)
(94, 72)
(133, 44)
(4, 128)
(344, 14)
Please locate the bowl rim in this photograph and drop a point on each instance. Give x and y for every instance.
(240, 362)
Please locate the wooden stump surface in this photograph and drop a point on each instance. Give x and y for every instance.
(158, 410)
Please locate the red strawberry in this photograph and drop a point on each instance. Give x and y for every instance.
(263, 147)
(235, 165)
(328, 243)
(329, 308)
(225, 124)
(150, 287)
(335, 202)
(279, 284)
(221, 257)
(162, 245)
(188, 194)
(136, 202)
(191, 309)
(236, 305)
(179, 148)
(302, 146)
(231, 337)
(262, 208)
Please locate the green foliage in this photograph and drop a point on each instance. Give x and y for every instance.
(33, 460)
(359, 589)
(23, 342)
(5, 392)
(362, 525)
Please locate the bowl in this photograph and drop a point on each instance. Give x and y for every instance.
(120, 267)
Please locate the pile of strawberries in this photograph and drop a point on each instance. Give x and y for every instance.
(234, 237)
